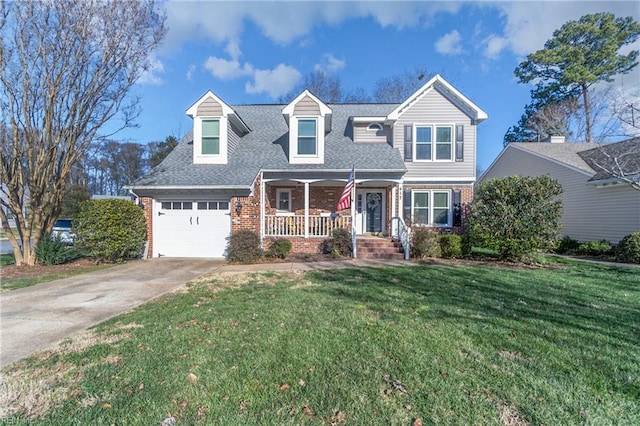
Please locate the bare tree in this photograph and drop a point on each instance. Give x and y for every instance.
(398, 88)
(619, 161)
(66, 68)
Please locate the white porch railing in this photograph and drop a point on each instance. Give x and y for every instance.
(403, 233)
(294, 226)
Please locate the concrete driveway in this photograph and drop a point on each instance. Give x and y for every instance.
(35, 318)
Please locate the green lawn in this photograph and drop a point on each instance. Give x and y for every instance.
(445, 344)
(7, 259)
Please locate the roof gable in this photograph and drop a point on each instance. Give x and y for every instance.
(440, 84)
(211, 105)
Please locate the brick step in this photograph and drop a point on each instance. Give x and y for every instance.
(378, 248)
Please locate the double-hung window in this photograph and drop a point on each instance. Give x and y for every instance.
(210, 136)
(432, 208)
(434, 142)
(307, 137)
(283, 200)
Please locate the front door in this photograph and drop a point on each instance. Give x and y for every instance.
(370, 211)
(373, 206)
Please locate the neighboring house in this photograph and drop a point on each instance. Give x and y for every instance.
(279, 170)
(596, 206)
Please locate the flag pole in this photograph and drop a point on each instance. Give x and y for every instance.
(353, 215)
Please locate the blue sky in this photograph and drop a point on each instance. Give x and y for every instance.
(253, 52)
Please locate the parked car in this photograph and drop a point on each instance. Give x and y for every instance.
(62, 230)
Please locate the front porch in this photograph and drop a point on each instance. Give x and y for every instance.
(296, 207)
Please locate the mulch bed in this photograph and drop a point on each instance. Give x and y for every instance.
(10, 272)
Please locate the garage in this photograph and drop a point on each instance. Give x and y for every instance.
(193, 228)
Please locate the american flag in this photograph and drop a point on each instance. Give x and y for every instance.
(345, 198)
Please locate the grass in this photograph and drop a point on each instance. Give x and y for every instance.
(445, 344)
(16, 283)
(7, 259)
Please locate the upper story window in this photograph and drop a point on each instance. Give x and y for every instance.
(433, 142)
(307, 136)
(210, 136)
(374, 127)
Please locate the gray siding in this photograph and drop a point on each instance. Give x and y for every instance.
(362, 135)
(434, 108)
(589, 213)
(306, 106)
(209, 108)
(233, 137)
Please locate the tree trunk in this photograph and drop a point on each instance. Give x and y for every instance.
(587, 112)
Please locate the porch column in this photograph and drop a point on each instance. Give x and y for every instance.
(306, 209)
(394, 225)
(262, 209)
(401, 201)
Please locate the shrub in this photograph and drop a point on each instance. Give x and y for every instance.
(244, 247)
(111, 230)
(424, 243)
(516, 215)
(339, 245)
(451, 246)
(279, 248)
(567, 245)
(50, 250)
(595, 248)
(628, 249)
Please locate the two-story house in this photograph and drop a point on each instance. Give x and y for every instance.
(279, 170)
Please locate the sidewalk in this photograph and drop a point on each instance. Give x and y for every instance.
(311, 266)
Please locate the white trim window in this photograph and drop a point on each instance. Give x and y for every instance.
(210, 140)
(283, 200)
(433, 142)
(431, 207)
(210, 136)
(308, 136)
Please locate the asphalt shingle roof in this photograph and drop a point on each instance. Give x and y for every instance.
(626, 153)
(266, 148)
(564, 152)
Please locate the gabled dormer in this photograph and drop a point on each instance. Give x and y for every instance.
(215, 126)
(309, 120)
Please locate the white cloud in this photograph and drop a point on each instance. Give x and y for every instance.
(494, 45)
(227, 69)
(528, 25)
(450, 44)
(190, 71)
(331, 64)
(284, 23)
(150, 75)
(275, 82)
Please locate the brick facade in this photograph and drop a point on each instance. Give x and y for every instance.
(321, 200)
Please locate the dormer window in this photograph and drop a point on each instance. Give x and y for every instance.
(210, 136)
(374, 127)
(214, 123)
(309, 120)
(307, 136)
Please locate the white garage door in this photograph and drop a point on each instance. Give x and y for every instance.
(191, 228)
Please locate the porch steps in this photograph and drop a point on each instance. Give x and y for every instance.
(378, 248)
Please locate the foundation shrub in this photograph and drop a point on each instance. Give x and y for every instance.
(279, 248)
(244, 247)
(451, 246)
(424, 243)
(628, 249)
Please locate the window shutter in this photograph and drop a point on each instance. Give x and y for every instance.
(407, 205)
(460, 142)
(408, 142)
(457, 208)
